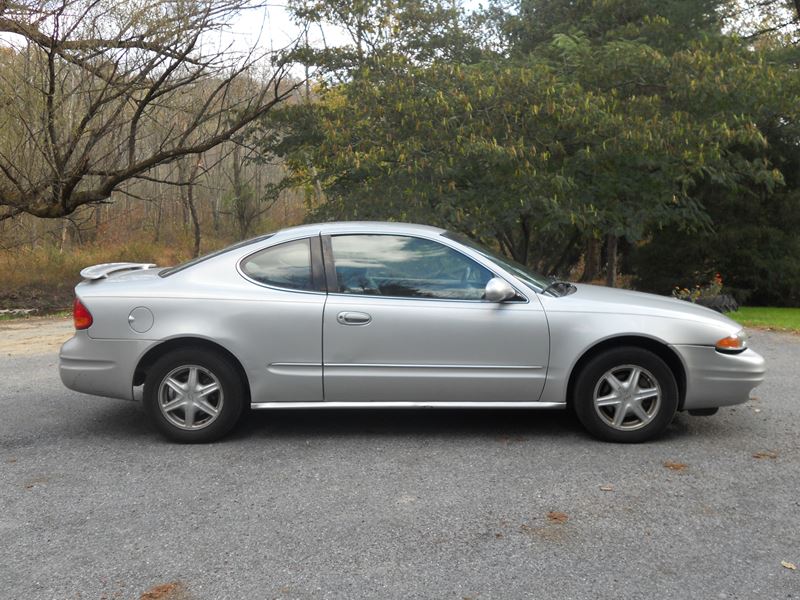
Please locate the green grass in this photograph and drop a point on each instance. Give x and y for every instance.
(786, 319)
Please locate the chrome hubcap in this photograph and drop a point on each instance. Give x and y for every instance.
(627, 397)
(190, 397)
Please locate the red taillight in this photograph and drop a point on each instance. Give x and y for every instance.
(81, 316)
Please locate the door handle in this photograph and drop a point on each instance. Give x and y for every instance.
(353, 318)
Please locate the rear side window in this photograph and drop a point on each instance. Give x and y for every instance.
(286, 265)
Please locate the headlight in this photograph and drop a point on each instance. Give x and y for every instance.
(732, 344)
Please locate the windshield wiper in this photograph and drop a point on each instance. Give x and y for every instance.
(557, 284)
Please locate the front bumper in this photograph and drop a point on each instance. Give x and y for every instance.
(100, 367)
(715, 379)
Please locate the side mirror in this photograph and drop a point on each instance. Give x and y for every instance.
(498, 290)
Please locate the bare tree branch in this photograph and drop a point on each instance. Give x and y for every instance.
(97, 94)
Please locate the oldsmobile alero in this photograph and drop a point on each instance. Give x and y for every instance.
(344, 315)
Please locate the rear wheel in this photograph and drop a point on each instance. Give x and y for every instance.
(193, 396)
(626, 395)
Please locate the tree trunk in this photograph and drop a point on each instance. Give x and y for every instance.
(155, 196)
(185, 209)
(159, 219)
(215, 213)
(611, 269)
(591, 266)
(195, 220)
(240, 209)
(98, 220)
(517, 248)
(183, 176)
(187, 197)
(64, 226)
(567, 257)
(193, 210)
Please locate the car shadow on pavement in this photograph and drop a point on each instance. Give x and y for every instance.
(386, 422)
(127, 420)
(502, 424)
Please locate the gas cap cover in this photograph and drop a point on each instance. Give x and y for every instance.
(140, 319)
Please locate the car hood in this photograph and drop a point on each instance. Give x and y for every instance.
(601, 299)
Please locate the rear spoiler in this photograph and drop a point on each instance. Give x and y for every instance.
(106, 269)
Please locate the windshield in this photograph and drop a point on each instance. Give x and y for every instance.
(199, 259)
(535, 280)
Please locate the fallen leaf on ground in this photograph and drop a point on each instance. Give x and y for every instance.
(166, 591)
(607, 488)
(765, 454)
(29, 485)
(787, 565)
(557, 517)
(675, 466)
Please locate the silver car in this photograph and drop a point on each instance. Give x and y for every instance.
(346, 315)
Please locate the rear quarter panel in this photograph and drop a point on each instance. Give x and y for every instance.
(260, 326)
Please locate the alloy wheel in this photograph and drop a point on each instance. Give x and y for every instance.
(190, 397)
(627, 397)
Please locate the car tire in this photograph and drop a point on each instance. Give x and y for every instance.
(193, 395)
(625, 394)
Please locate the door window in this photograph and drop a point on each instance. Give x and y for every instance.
(286, 265)
(407, 267)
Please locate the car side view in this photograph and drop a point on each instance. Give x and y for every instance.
(346, 315)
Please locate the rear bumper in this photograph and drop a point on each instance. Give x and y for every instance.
(100, 367)
(715, 379)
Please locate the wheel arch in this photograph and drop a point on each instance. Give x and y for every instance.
(149, 358)
(657, 347)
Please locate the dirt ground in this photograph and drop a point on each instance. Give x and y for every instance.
(38, 335)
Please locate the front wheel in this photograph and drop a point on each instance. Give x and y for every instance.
(625, 395)
(193, 396)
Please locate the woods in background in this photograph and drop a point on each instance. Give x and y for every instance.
(658, 139)
(653, 143)
(98, 97)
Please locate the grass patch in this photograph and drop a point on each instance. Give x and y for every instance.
(17, 316)
(43, 279)
(784, 319)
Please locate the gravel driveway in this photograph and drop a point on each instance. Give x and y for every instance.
(369, 504)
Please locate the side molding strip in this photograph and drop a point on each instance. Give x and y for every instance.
(429, 366)
(271, 405)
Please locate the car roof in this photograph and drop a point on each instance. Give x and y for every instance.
(359, 226)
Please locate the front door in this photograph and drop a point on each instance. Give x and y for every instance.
(408, 323)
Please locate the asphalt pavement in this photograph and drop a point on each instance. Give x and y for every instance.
(411, 504)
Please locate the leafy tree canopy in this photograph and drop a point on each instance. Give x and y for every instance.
(568, 122)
